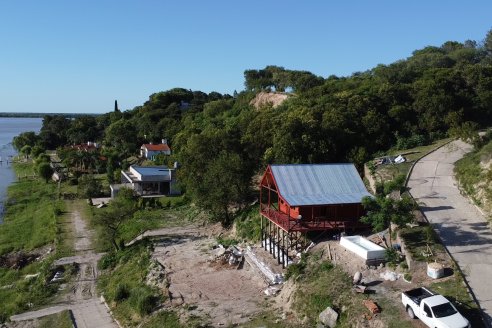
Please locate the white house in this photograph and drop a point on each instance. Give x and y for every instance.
(150, 181)
(150, 151)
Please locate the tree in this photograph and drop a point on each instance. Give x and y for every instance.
(122, 135)
(26, 151)
(45, 171)
(89, 186)
(119, 210)
(382, 211)
(488, 42)
(26, 138)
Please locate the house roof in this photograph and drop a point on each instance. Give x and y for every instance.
(319, 184)
(156, 147)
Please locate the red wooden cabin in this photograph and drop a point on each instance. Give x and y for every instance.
(310, 197)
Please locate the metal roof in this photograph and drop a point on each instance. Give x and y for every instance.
(319, 184)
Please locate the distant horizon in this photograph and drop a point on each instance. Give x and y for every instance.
(63, 56)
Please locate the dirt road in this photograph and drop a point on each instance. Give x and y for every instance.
(463, 229)
(81, 299)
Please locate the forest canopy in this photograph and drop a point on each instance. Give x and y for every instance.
(222, 141)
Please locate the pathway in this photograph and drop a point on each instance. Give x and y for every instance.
(462, 228)
(87, 309)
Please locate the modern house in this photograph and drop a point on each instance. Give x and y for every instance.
(299, 199)
(150, 151)
(148, 181)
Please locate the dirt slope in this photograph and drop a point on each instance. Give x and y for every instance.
(269, 98)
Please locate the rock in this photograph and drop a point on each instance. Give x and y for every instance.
(320, 325)
(328, 317)
(357, 278)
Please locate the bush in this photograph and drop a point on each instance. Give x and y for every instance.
(296, 269)
(122, 292)
(391, 255)
(413, 141)
(107, 261)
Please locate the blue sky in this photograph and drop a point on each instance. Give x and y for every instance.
(79, 56)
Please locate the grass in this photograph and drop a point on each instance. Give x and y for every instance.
(123, 284)
(30, 215)
(248, 223)
(57, 320)
(166, 319)
(19, 294)
(320, 284)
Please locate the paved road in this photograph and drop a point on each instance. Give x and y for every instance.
(462, 228)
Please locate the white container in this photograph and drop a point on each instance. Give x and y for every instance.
(435, 270)
(363, 247)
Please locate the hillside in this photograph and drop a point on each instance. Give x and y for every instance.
(474, 173)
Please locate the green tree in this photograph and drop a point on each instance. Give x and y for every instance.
(119, 211)
(224, 184)
(382, 211)
(26, 151)
(45, 171)
(122, 135)
(26, 138)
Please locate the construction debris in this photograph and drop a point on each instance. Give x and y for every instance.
(231, 255)
(371, 306)
(390, 275)
(271, 291)
(271, 277)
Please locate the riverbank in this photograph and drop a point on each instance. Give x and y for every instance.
(27, 240)
(10, 128)
(31, 210)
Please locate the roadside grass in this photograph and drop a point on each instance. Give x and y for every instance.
(30, 215)
(390, 171)
(57, 320)
(123, 284)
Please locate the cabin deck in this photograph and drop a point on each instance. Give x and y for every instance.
(290, 224)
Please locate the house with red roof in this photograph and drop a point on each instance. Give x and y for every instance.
(151, 150)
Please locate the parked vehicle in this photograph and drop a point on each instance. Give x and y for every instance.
(433, 309)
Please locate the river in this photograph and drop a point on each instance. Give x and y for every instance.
(9, 128)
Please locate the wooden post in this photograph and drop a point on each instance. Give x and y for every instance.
(287, 251)
(278, 245)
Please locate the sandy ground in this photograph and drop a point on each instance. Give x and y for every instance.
(216, 292)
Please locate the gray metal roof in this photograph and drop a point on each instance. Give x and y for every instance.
(318, 184)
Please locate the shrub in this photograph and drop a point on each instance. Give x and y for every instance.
(122, 292)
(296, 269)
(107, 261)
(391, 256)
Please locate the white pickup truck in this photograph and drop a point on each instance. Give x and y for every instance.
(434, 310)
